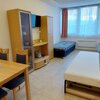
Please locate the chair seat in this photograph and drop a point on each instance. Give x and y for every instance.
(15, 82)
(2, 93)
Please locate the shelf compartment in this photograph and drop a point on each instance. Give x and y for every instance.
(40, 62)
(41, 59)
(39, 44)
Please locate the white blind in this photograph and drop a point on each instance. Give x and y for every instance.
(84, 21)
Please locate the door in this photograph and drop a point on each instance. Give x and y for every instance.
(25, 28)
(26, 35)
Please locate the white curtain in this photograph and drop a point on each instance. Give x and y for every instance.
(84, 21)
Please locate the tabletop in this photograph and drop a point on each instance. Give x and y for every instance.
(9, 70)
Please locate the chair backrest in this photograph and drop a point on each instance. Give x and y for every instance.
(4, 54)
(21, 56)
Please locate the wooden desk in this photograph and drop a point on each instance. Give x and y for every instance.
(9, 70)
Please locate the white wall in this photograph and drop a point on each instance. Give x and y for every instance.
(36, 7)
(35, 33)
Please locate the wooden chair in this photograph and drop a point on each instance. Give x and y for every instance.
(3, 94)
(21, 56)
(4, 54)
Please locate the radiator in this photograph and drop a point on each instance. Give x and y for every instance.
(86, 44)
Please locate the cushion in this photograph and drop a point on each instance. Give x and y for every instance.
(3, 56)
(15, 82)
(21, 59)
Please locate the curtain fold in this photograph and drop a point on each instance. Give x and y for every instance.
(64, 22)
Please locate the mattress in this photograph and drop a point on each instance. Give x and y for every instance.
(63, 48)
(84, 69)
(64, 45)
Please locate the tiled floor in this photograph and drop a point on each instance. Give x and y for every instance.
(47, 83)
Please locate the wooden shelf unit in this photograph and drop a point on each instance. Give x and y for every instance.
(45, 43)
(44, 59)
(20, 32)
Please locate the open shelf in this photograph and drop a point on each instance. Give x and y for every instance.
(40, 59)
(39, 44)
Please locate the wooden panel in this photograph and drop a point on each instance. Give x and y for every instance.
(85, 91)
(14, 29)
(44, 29)
(50, 36)
(40, 62)
(44, 49)
(47, 33)
(39, 44)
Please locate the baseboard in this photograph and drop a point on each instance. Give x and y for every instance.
(86, 49)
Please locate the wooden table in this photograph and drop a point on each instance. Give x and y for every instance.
(9, 70)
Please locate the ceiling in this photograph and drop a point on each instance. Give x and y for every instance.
(70, 3)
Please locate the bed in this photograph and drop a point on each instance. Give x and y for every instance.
(63, 48)
(83, 76)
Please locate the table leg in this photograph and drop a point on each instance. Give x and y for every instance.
(14, 94)
(6, 98)
(27, 85)
(65, 86)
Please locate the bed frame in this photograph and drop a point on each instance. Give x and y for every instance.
(81, 90)
(78, 86)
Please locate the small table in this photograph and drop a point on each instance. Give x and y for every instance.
(10, 70)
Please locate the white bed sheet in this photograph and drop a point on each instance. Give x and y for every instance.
(84, 69)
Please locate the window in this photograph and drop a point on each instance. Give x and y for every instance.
(72, 21)
(84, 21)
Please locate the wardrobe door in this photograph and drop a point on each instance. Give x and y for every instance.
(25, 28)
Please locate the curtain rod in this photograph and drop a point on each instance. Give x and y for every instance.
(83, 6)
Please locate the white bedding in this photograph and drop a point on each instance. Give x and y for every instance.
(84, 69)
